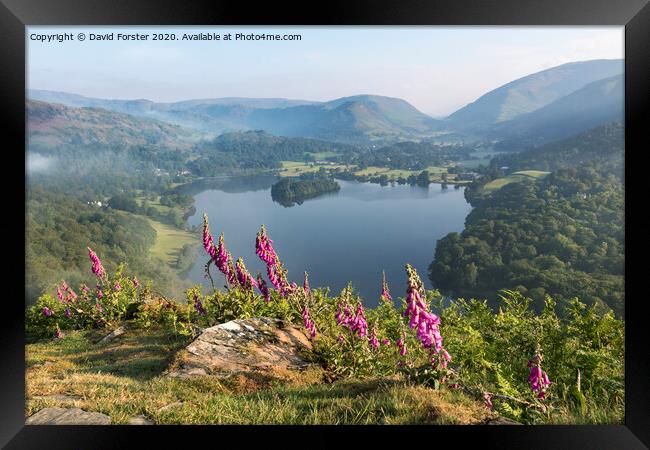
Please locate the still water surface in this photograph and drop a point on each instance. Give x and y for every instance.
(349, 236)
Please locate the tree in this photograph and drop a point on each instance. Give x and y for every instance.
(423, 178)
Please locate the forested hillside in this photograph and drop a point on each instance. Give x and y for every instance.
(59, 227)
(562, 234)
(601, 147)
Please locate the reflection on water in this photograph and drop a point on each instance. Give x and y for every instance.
(348, 236)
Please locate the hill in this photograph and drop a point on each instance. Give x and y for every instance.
(602, 146)
(597, 103)
(345, 119)
(531, 93)
(54, 126)
(558, 233)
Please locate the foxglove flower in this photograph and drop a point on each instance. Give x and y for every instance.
(402, 346)
(385, 292)
(264, 248)
(222, 257)
(264, 289)
(274, 269)
(99, 307)
(488, 400)
(274, 278)
(97, 267)
(47, 312)
(136, 283)
(199, 306)
(244, 278)
(100, 294)
(309, 324)
(360, 321)
(425, 322)
(71, 294)
(538, 379)
(305, 285)
(374, 342)
(208, 242)
(57, 333)
(355, 322)
(67, 312)
(117, 286)
(385, 342)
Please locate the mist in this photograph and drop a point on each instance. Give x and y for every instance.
(37, 163)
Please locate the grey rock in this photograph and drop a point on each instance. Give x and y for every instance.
(43, 364)
(115, 333)
(170, 406)
(140, 420)
(501, 421)
(67, 416)
(57, 397)
(244, 345)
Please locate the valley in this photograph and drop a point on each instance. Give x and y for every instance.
(159, 148)
(340, 229)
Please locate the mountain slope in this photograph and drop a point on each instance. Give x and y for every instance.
(597, 103)
(602, 146)
(345, 119)
(54, 125)
(532, 92)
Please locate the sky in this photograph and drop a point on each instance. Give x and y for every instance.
(436, 69)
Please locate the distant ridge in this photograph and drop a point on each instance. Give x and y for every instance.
(532, 92)
(539, 107)
(344, 119)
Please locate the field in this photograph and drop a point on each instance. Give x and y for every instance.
(322, 155)
(124, 378)
(155, 204)
(169, 241)
(514, 178)
(296, 168)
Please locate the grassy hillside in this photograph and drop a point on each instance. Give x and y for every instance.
(170, 241)
(524, 175)
(124, 379)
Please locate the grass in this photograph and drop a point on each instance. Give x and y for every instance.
(124, 378)
(323, 155)
(295, 168)
(155, 204)
(514, 177)
(169, 241)
(396, 173)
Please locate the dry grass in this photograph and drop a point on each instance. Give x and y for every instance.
(124, 378)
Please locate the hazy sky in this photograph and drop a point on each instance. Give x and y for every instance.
(437, 69)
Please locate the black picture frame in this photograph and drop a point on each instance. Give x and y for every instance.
(16, 14)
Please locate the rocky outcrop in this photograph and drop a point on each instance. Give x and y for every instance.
(112, 335)
(67, 416)
(244, 345)
(501, 421)
(140, 420)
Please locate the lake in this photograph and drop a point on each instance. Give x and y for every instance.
(349, 236)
